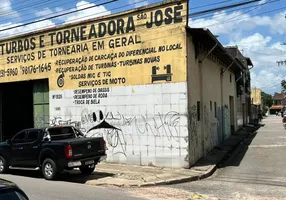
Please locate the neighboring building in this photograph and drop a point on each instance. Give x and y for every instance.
(279, 103)
(159, 93)
(256, 104)
(243, 86)
(212, 92)
(256, 96)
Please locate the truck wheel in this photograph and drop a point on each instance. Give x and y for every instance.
(87, 169)
(3, 165)
(49, 169)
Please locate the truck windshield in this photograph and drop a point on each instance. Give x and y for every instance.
(61, 133)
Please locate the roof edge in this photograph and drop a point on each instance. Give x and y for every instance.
(217, 41)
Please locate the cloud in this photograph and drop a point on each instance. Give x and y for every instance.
(85, 14)
(264, 54)
(6, 9)
(23, 29)
(76, 16)
(44, 12)
(138, 3)
(228, 24)
(262, 2)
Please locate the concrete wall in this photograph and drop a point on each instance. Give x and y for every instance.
(229, 89)
(207, 86)
(240, 115)
(143, 125)
(211, 96)
(196, 146)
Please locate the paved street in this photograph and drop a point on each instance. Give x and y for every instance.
(257, 170)
(72, 186)
(39, 189)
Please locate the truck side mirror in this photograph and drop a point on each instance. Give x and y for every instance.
(9, 141)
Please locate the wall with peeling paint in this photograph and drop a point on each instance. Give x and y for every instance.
(194, 126)
(207, 86)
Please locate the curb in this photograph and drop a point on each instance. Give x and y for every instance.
(207, 174)
(198, 177)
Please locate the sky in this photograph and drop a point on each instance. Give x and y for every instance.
(258, 29)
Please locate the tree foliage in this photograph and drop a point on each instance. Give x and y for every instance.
(267, 99)
(283, 86)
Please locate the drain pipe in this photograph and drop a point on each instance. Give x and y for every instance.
(201, 94)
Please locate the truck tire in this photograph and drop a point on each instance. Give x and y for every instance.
(3, 165)
(49, 169)
(87, 169)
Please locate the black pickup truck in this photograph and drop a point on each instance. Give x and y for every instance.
(52, 150)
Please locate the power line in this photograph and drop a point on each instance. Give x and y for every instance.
(60, 15)
(43, 2)
(226, 12)
(248, 16)
(274, 84)
(48, 19)
(93, 40)
(207, 5)
(224, 7)
(76, 19)
(256, 7)
(18, 2)
(232, 10)
(48, 1)
(52, 14)
(55, 16)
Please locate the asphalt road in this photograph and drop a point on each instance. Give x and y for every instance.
(256, 170)
(39, 189)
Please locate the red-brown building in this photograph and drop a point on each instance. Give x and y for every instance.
(279, 102)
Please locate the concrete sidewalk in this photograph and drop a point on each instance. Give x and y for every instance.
(138, 176)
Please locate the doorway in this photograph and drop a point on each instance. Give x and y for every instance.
(23, 104)
(231, 110)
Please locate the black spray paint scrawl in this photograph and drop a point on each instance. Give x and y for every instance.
(115, 137)
(102, 124)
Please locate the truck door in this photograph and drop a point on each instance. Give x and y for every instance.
(32, 148)
(17, 151)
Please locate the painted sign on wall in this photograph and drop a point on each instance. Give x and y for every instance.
(122, 77)
(136, 47)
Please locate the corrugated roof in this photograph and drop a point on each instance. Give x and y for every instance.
(279, 96)
(208, 40)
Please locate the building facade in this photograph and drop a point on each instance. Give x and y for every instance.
(159, 92)
(256, 96)
(243, 86)
(279, 103)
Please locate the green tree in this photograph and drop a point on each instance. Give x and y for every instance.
(283, 86)
(266, 99)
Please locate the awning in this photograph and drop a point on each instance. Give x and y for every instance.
(276, 107)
